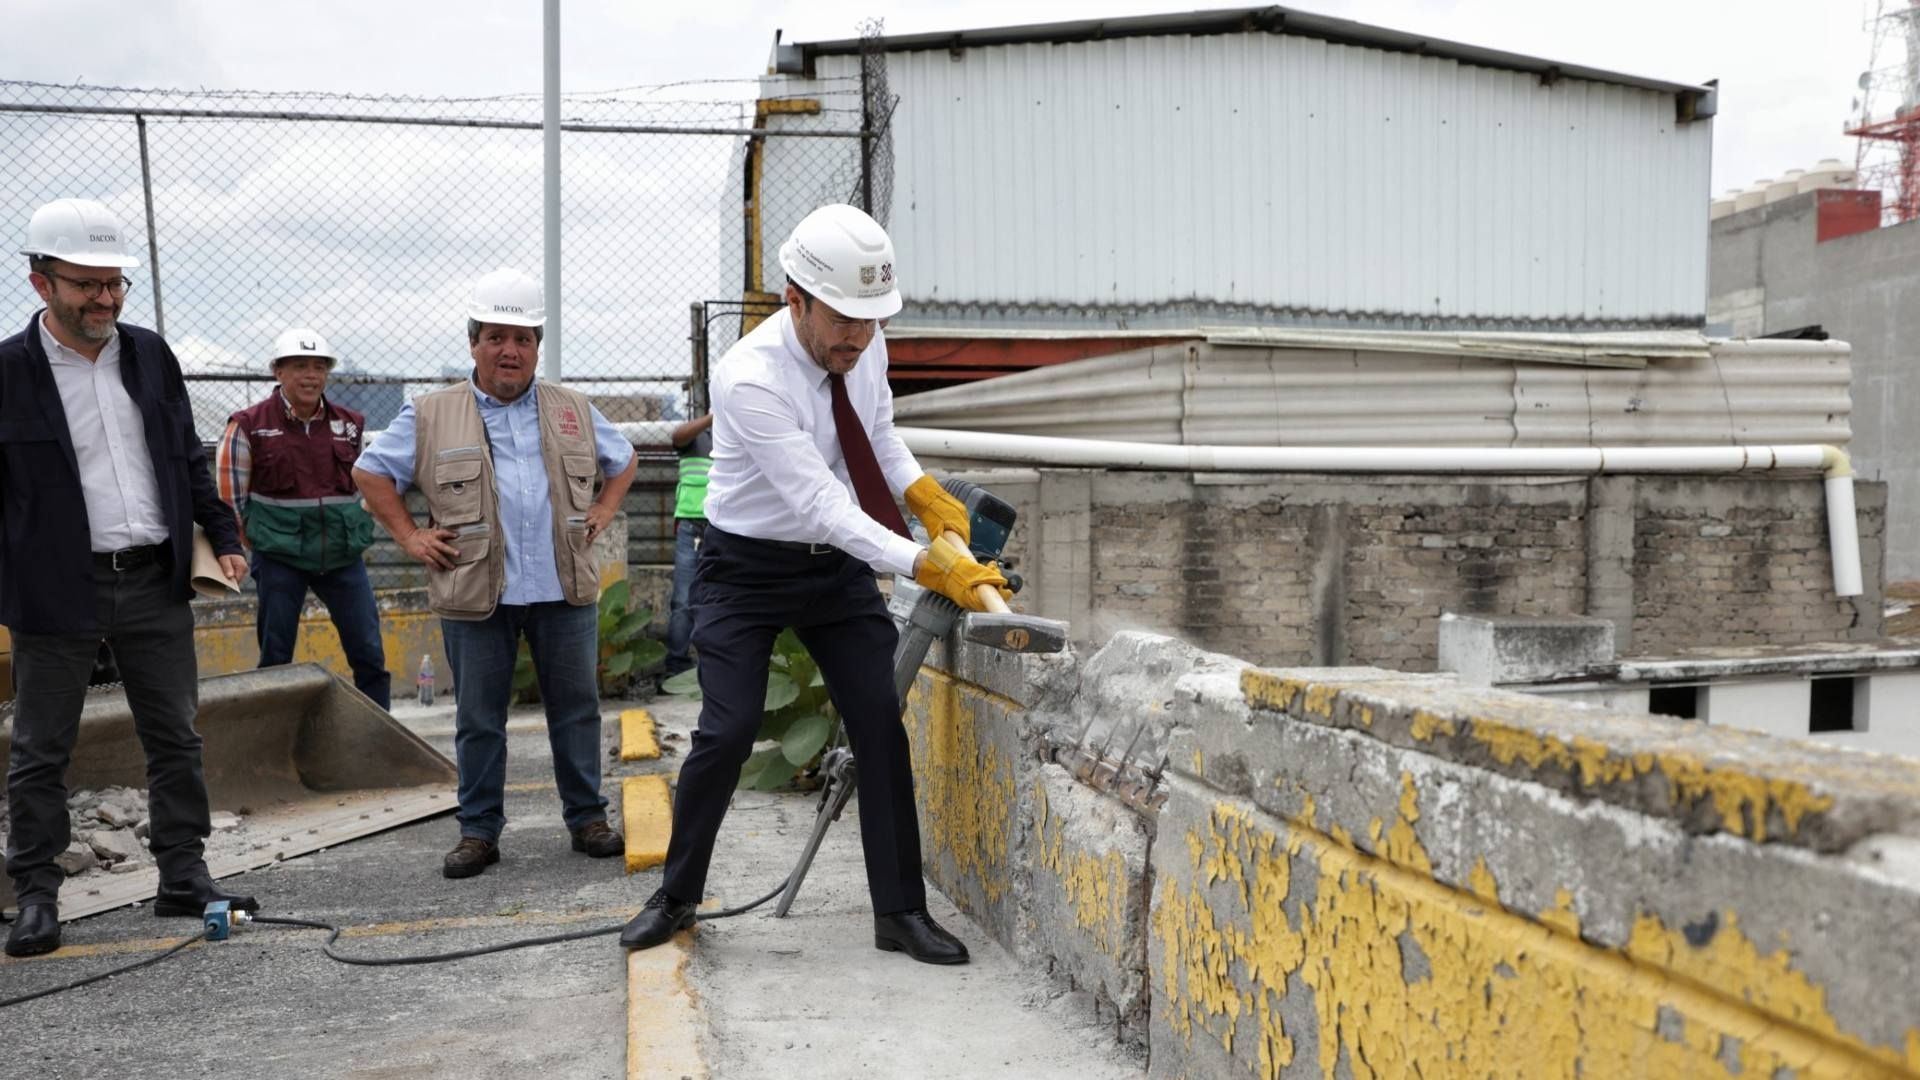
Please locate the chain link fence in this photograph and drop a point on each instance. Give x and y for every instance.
(366, 218)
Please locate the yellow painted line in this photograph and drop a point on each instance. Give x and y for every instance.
(663, 1017)
(647, 810)
(531, 785)
(105, 948)
(387, 929)
(639, 740)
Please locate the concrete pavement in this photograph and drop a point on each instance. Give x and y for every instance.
(745, 997)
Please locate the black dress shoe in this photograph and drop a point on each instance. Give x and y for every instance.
(470, 856)
(662, 918)
(915, 933)
(36, 930)
(598, 840)
(189, 899)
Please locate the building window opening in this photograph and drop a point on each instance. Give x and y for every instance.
(1680, 701)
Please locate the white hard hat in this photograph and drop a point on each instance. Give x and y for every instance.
(302, 341)
(508, 297)
(79, 231)
(844, 258)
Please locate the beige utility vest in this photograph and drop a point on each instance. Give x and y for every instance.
(453, 468)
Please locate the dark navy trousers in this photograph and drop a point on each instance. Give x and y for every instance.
(745, 592)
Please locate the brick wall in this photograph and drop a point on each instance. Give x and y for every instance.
(1358, 570)
(1408, 563)
(1755, 571)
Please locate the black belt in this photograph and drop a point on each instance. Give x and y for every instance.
(783, 545)
(126, 559)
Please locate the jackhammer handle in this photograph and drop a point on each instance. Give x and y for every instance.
(990, 600)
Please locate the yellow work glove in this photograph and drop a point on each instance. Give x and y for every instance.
(951, 572)
(937, 510)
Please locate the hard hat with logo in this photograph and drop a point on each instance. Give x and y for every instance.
(303, 341)
(79, 231)
(508, 297)
(844, 258)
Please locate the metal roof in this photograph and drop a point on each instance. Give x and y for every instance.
(797, 58)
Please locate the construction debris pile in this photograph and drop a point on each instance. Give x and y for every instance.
(110, 832)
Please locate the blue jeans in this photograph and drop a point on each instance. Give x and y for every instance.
(349, 599)
(564, 641)
(686, 550)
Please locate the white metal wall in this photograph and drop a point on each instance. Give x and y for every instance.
(1734, 392)
(1153, 181)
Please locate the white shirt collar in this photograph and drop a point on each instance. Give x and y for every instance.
(54, 348)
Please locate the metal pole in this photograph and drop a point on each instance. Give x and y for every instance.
(697, 384)
(551, 127)
(866, 136)
(153, 243)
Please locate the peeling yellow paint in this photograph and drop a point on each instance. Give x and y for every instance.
(1098, 889)
(1411, 977)
(1743, 800)
(1264, 690)
(1426, 725)
(1480, 879)
(1403, 846)
(1746, 803)
(1320, 698)
(965, 785)
(1561, 916)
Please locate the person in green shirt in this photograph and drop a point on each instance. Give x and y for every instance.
(694, 443)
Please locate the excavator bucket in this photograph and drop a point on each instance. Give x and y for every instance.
(301, 757)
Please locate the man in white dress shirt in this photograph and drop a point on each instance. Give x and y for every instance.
(800, 515)
(102, 479)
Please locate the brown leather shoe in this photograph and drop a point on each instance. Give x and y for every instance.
(470, 856)
(598, 840)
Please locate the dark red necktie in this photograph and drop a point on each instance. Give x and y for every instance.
(862, 467)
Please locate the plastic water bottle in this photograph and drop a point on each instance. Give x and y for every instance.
(425, 679)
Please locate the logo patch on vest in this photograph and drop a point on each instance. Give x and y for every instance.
(569, 420)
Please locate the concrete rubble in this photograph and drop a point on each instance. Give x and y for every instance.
(109, 833)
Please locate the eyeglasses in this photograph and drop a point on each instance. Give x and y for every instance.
(91, 287)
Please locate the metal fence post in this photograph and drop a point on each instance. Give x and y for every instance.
(551, 210)
(866, 138)
(153, 243)
(697, 404)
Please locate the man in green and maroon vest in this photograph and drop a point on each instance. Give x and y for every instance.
(286, 467)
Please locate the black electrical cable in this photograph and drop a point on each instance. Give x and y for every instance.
(91, 979)
(334, 932)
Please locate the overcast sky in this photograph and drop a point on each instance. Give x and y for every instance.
(1787, 68)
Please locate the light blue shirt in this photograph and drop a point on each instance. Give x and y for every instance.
(519, 476)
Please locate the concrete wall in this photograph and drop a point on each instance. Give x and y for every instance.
(1769, 275)
(1332, 570)
(1357, 872)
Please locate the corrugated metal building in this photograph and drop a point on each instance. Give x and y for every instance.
(1260, 166)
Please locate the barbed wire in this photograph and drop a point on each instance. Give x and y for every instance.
(367, 219)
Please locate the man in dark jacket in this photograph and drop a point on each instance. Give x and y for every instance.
(101, 481)
(286, 467)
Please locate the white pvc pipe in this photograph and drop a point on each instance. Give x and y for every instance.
(1842, 529)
